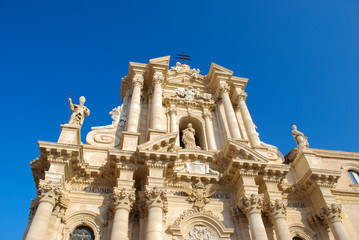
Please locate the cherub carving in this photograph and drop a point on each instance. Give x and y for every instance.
(200, 193)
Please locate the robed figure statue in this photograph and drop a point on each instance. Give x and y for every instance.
(188, 138)
(79, 112)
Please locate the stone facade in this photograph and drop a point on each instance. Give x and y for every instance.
(182, 160)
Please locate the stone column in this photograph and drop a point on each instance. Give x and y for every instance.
(331, 214)
(40, 222)
(251, 206)
(277, 211)
(157, 205)
(156, 104)
(231, 117)
(173, 121)
(135, 107)
(209, 130)
(123, 201)
(248, 123)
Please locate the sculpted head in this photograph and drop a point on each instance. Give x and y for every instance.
(294, 127)
(189, 125)
(82, 100)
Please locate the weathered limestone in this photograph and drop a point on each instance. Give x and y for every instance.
(209, 131)
(251, 206)
(231, 117)
(331, 215)
(123, 202)
(156, 204)
(248, 123)
(133, 179)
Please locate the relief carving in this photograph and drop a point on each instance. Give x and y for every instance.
(199, 193)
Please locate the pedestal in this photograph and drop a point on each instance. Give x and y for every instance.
(70, 134)
(130, 140)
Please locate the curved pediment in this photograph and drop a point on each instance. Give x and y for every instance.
(235, 149)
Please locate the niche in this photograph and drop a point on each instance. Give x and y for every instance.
(197, 126)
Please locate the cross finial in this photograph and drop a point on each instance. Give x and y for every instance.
(183, 57)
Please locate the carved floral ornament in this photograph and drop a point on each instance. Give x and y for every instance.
(191, 94)
(123, 198)
(252, 203)
(331, 213)
(185, 68)
(277, 208)
(52, 193)
(156, 197)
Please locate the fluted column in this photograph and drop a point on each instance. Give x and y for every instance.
(209, 130)
(135, 107)
(277, 211)
(46, 203)
(331, 214)
(248, 122)
(156, 204)
(156, 105)
(228, 107)
(123, 201)
(251, 206)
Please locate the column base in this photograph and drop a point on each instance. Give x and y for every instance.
(153, 133)
(130, 141)
(70, 134)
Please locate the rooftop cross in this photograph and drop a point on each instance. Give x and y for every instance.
(183, 57)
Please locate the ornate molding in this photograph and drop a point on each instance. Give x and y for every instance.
(123, 198)
(190, 212)
(199, 193)
(277, 208)
(156, 197)
(331, 213)
(251, 204)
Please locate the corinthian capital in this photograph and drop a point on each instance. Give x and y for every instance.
(331, 213)
(251, 204)
(223, 87)
(47, 191)
(137, 80)
(277, 208)
(123, 198)
(158, 78)
(156, 197)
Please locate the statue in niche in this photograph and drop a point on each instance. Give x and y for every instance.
(300, 139)
(188, 138)
(79, 112)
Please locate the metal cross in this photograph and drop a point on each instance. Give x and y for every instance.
(183, 57)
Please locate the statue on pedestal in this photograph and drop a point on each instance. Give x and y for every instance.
(188, 138)
(300, 139)
(79, 112)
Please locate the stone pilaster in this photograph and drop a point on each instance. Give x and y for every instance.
(331, 215)
(248, 122)
(209, 130)
(156, 200)
(123, 200)
(251, 206)
(231, 117)
(277, 211)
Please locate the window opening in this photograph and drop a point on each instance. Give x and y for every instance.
(354, 176)
(82, 233)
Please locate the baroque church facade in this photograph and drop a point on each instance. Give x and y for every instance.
(182, 160)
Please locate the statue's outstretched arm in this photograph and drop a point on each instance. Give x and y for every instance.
(71, 105)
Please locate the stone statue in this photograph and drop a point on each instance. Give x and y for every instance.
(188, 138)
(300, 139)
(79, 112)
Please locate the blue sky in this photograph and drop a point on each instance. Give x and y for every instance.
(301, 58)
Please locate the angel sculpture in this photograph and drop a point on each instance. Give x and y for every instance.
(200, 193)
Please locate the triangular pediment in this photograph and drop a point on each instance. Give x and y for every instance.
(236, 149)
(161, 60)
(164, 143)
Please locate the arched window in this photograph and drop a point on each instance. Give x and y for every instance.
(82, 233)
(354, 176)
